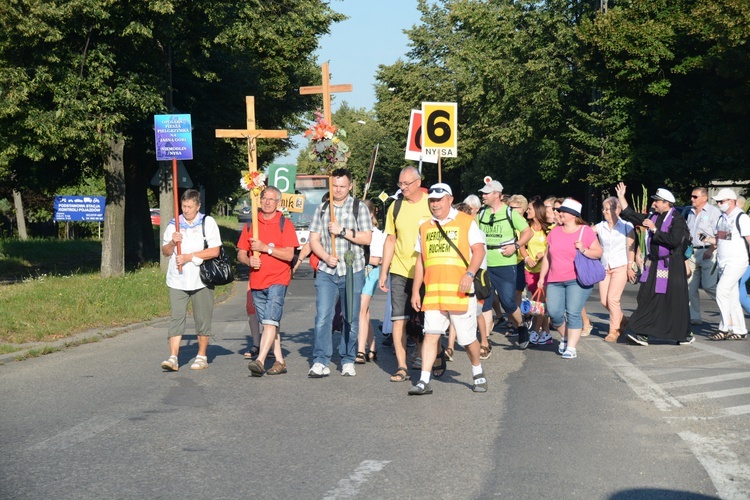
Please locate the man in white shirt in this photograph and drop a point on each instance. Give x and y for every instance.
(701, 221)
(732, 238)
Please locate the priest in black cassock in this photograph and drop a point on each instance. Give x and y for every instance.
(662, 310)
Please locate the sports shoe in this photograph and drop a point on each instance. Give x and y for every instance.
(319, 370)
(563, 345)
(171, 364)
(387, 341)
(533, 337)
(569, 353)
(523, 337)
(420, 388)
(688, 340)
(544, 338)
(348, 370)
(480, 383)
(696, 322)
(638, 339)
(512, 332)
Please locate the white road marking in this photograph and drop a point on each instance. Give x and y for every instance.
(77, 434)
(733, 411)
(349, 488)
(715, 394)
(705, 380)
(730, 475)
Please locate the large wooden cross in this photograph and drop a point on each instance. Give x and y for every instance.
(327, 89)
(251, 134)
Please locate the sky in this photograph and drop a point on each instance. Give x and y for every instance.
(372, 35)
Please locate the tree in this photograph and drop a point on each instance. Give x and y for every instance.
(81, 77)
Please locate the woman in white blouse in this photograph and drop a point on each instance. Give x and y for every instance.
(617, 239)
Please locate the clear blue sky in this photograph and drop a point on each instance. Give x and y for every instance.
(372, 35)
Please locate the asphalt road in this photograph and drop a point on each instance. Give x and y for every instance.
(102, 420)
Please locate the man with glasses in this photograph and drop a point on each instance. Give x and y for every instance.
(701, 221)
(450, 250)
(270, 273)
(501, 225)
(731, 240)
(353, 231)
(399, 257)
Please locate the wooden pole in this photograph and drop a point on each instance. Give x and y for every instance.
(176, 197)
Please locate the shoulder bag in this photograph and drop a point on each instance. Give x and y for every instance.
(588, 271)
(216, 271)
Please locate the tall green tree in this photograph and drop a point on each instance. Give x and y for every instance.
(81, 80)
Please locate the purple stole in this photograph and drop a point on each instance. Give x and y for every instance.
(662, 261)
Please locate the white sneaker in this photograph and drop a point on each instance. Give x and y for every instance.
(563, 345)
(534, 337)
(348, 370)
(544, 338)
(319, 370)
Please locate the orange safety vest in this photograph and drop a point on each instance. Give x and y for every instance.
(443, 267)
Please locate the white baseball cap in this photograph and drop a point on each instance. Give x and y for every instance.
(492, 187)
(439, 190)
(725, 194)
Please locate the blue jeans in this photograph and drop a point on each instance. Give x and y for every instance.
(269, 304)
(744, 299)
(329, 288)
(565, 301)
(503, 279)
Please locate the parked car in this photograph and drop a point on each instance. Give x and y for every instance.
(244, 214)
(155, 217)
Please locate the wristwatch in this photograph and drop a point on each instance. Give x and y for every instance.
(271, 246)
(517, 245)
(471, 275)
(343, 232)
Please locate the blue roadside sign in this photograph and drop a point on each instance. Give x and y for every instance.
(71, 208)
(174, 137)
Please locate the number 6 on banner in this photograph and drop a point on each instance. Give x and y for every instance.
(440, 129)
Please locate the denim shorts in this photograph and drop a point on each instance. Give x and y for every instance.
(269, 304)
(371, 281)
(503, 280)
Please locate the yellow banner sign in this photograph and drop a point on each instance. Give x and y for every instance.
(293, 202)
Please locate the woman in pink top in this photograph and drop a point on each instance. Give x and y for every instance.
(565, 296)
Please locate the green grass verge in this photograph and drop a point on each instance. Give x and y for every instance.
(67, 296)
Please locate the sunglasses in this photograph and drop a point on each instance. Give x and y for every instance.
(438, 191)
(695, 196)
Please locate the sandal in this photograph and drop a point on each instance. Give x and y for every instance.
(361, 358)
(401, 375)
(170, 364)
(448, 354)
(439, 366)
(736, 336)
(252, 353)
(719, 336)
(373, 356)
(485, 352)
(200, 363)
(278, 368)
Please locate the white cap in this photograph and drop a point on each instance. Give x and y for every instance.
(491, 187)
(663, 194)
(570, 206)
(725, 194)
(439, 190)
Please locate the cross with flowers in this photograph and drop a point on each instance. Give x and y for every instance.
(252, 180)
(328, 148)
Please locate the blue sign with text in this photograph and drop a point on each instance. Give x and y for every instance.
(70, 208)
(174, 137)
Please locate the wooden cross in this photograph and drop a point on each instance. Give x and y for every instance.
(327, 89)
(252, 135)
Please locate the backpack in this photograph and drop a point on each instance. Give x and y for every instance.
(737, 222)
(508, 215)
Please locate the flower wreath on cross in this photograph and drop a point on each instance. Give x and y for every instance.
(328, 147)
(253, 181)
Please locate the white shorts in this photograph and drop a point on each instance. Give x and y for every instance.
(437, 322)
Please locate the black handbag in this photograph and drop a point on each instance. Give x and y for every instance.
(482, 287)
(216, 271)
